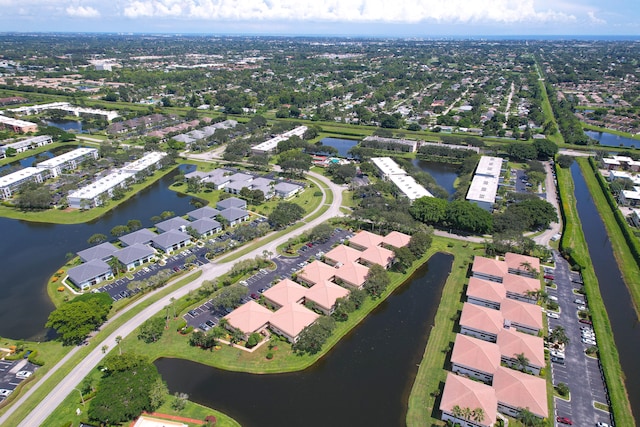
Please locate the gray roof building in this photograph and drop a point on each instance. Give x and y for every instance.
(88, 271)
(236, 186)
(234, 214)
(284, 189)
(102, 251)
(134, 253)
(231, 202)
(241, 177)
(143, 236)
(172, 224)
(261, 182)
(204, 212)
(205, 225)
(170, 238)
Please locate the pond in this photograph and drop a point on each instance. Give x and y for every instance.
(28, 161)
(342, 145)
(616, 297)
(74, 126)
(612, 140)
(31, 252)
(365, 380)
(445, 174)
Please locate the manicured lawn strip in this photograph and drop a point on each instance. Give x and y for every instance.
(626, 262)
(175, 345)
(586, 126)
(548, 113)
(77, 216)
(94, 342)
(573, 237)
(431, 372)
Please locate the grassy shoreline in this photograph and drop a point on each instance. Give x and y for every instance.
(573, 237)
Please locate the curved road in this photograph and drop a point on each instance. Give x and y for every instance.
(210, 271)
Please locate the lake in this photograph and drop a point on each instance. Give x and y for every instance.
(365, 380)
(74, 126)
(342, 145)
(611, 140)
(445, 174)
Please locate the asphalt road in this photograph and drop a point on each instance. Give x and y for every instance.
(210, 271)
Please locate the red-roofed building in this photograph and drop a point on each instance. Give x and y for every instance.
(291, 319)
(475, 358)
(395, 239)
(284, 292)
(249, 318)
(461, 393)
(352, 275)
(377, 255)
(342, 254)
(512, 343)
(521, 264)
(364, 239)
(485, 293)
(522, 316)
(481, 322)
(521, 288)
(489, 269)
(324, 296)
(516, 390)
(316, 272)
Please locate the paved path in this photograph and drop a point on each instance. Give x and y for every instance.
(210, 271)
(552, 197)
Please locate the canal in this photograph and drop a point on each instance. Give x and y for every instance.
(31, 252)
(615, 294)
(365, 380)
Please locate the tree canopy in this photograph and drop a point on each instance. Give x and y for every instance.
(74, 320)
(284, 214)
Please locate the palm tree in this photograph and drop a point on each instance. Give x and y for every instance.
(559, 335)
(173, 305)
(116, 266)
(105, 348)
(118, 341)
(527, 418)
(478, 415)
(522, 362)
(466, 413)
(456, 411)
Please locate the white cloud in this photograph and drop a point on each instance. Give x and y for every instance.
(594, 19)
(409, 11)
(82, 12)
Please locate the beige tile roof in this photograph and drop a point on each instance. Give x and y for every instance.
(515, 261)
(486, 290)
(511, 342)
(366, 239)
(522, 313)
(353, 273)
(343, 254)
(520, 284)
(396, 239)
(249, 317)
(317, 272)
(489, 266)
(476, 354)
(466, 393)
(325, 294)
(293, 318)
(481, 318)
(520, 390)
(284, 292)
(378, 255)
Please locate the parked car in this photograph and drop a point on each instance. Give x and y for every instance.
(552, 315)
(4, 392)
(581, 307)
(210, 323)
(601, 424)
(585, 321)
(578, 301)
(553, 298)
(588, 341)
(24, 374)
(564, 420)
(549, 276)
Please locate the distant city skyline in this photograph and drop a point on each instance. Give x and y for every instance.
(407, 18)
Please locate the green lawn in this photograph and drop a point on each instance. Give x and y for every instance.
(548, 114)
(573, 237)
(431, 373)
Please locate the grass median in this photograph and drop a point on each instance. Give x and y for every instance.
(573, 237)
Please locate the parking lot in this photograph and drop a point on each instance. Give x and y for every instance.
(205, 316)
(12, 373)
(581, 373)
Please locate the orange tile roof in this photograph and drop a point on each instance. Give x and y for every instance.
(325, 294)
(284, 292)
(353, 273)
(517, 284)
(378, 255)
(523, 313)
(486, 290)
(249, 317)
(343, 254)
(511, 342)
(293, 318)
(515, 261)
(396, 239)
(490, 266)
(520, 390)
(476, 354)
(366, 239)
(317, 272)
(481, 318)
(465, 393)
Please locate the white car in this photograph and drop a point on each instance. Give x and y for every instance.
(588, 341)
(578, 301)
(553, 298)
(24, 374)
(581, 308)
(4, 392)
(556, 353)
(601, 424)
(552, 315)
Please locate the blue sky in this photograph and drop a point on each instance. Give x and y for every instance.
(421, 18)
